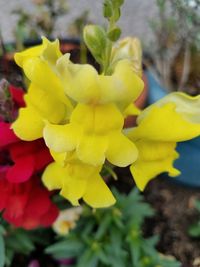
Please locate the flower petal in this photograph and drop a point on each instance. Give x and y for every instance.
(164, 124)
(29, 124)
(61, 138)
(47, 104)
(92, 148)
(97, 194)
(7, 135)
(52, 176)
(144, 171)
(121, 151)
(22, 170)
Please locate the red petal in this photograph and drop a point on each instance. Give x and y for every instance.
(48, 218)
(22, 170)
(39, 202)
(17, 95)
(7, 135)
(42, 158)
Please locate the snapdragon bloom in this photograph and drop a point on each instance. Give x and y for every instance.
(24, 201)
(80, 114)
(27, 204)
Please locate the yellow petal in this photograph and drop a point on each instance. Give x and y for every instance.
(129, 48)
(123, 87)
(39, 63)
(53, 176)
(84, 85)
(144, 171)
(97, 194)
(49, 50)
(99, 119)
(131, 110)
(154, 150)
(80, 81)
(164, 124)
(121, 151)
(76, 181)
(61, 138)
(29, 124)
(74, 189)
(91, 149)
(107, 118)
(21, 57)
(46, 104)
(187, 106)
(60, 158)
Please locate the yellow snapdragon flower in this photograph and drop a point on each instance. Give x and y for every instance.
(45, 94)
(84, 85)
(95, 133)
(175, 118)
(96, 123)
(77, 180)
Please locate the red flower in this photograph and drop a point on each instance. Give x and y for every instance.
(25, 158)
(23, 200)
(26, 205)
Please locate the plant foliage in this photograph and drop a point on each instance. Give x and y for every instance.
(112, 237)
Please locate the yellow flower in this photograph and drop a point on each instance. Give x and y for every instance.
(66, 220)
(95, 133)
(84, 85)
(78, 180)
(128, 48)
(173, 119)
(45, 99)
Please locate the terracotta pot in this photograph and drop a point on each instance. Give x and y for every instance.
(130, 121)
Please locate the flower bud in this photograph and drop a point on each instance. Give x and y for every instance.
(129, 48)
(95, 39)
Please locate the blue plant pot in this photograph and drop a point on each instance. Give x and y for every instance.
(189, 160)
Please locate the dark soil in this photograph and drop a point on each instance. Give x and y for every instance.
(175, 213)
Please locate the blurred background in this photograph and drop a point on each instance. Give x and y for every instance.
(134, 20)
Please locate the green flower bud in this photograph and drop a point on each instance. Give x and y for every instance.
(114, 34)
(95, 39)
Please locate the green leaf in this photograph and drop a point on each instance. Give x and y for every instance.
(88, 258)
(103, 226)
(194, 230)
(197, 205)
(119, 2)
(19, 241)
(114, 34)
(2, 251)
(107, 9)
(65, 248)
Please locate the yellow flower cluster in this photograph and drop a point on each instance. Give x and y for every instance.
(80, 114)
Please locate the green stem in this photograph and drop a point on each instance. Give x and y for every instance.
(108, 50)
